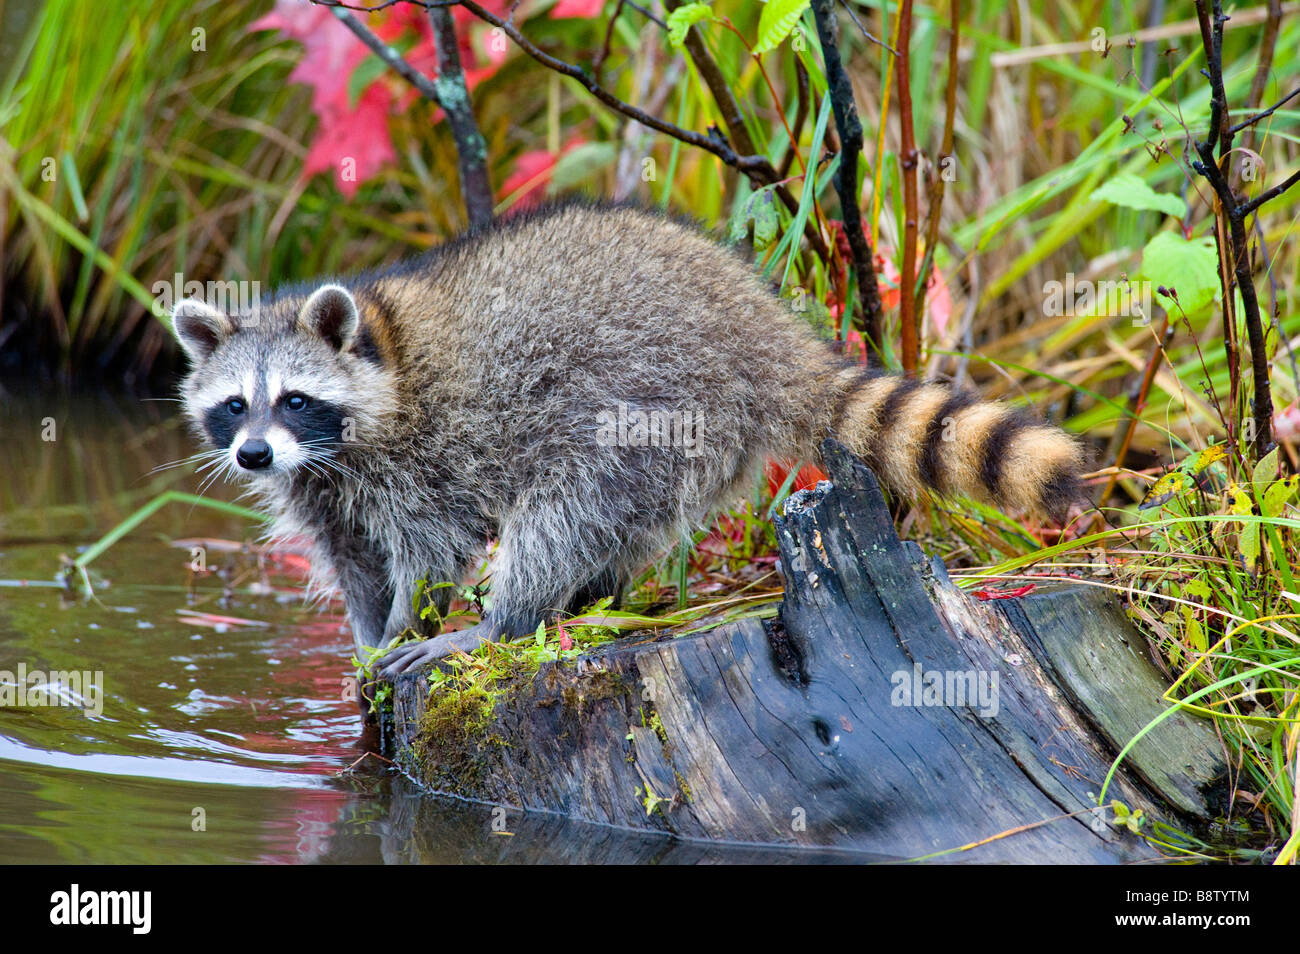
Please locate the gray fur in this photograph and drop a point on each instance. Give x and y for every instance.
(476, 382)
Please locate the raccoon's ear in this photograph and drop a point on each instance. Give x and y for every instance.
(330, 313)
(199, 327)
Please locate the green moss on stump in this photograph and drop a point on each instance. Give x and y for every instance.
(467, 722)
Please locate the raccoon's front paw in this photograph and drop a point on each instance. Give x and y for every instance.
(411, 656)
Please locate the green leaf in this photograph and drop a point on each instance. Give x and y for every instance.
(1265, 471)
(776, 22)
(683, 18)
(1277, 495)
(580, 164)
(1132, 192)
(759, 208)
(1248, 542)
(1191, 269)
(366, 72)
(373, 67)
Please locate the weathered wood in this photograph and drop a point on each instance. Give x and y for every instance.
(797, 731)
(1088, 647)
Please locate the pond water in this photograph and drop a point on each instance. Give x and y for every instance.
(215, 727)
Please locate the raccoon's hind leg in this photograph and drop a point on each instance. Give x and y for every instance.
(608, 582)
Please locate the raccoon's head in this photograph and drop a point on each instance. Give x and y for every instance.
(284, 387)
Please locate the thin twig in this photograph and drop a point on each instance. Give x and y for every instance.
(427, 4)
(405, 70)
(1245, 123)
(649, 15)
(937, 182)
(598, 64)
(908, 160)
(840, 89)
(800, 117)
(865, 32)
(714, 142)
(1246, 208)
(764, 174)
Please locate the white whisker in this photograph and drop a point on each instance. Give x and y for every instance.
(192, 459)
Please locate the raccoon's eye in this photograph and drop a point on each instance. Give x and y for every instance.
(295, 402)
(235, 406)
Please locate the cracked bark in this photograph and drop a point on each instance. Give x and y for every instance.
(734, 746)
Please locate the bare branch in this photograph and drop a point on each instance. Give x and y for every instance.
(471, 150)
(598, 64)
(865, 32)
(714, 142)
(1232, 218)
(735, 119)
(1246, 208)
(427, 4)
(1266, 113)
(382, 50)
(846, 179)
(448, 92)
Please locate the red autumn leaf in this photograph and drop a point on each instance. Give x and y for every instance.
(353, 143)
(938, 303)
(938, 300)
(527, 183)
(1286, 423)
(576, 8)
(1016, 593)
(777, 471)
(353, 139)
(887, 277)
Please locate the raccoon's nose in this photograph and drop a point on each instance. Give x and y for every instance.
(254, 454)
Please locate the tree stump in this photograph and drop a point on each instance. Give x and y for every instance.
(883, 713)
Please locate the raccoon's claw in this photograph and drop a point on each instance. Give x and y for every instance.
(411, 656)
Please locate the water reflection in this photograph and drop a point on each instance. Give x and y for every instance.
(224, 735)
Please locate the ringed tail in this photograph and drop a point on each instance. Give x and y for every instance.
(915, 434)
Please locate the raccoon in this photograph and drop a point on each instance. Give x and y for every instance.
(583, 384)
